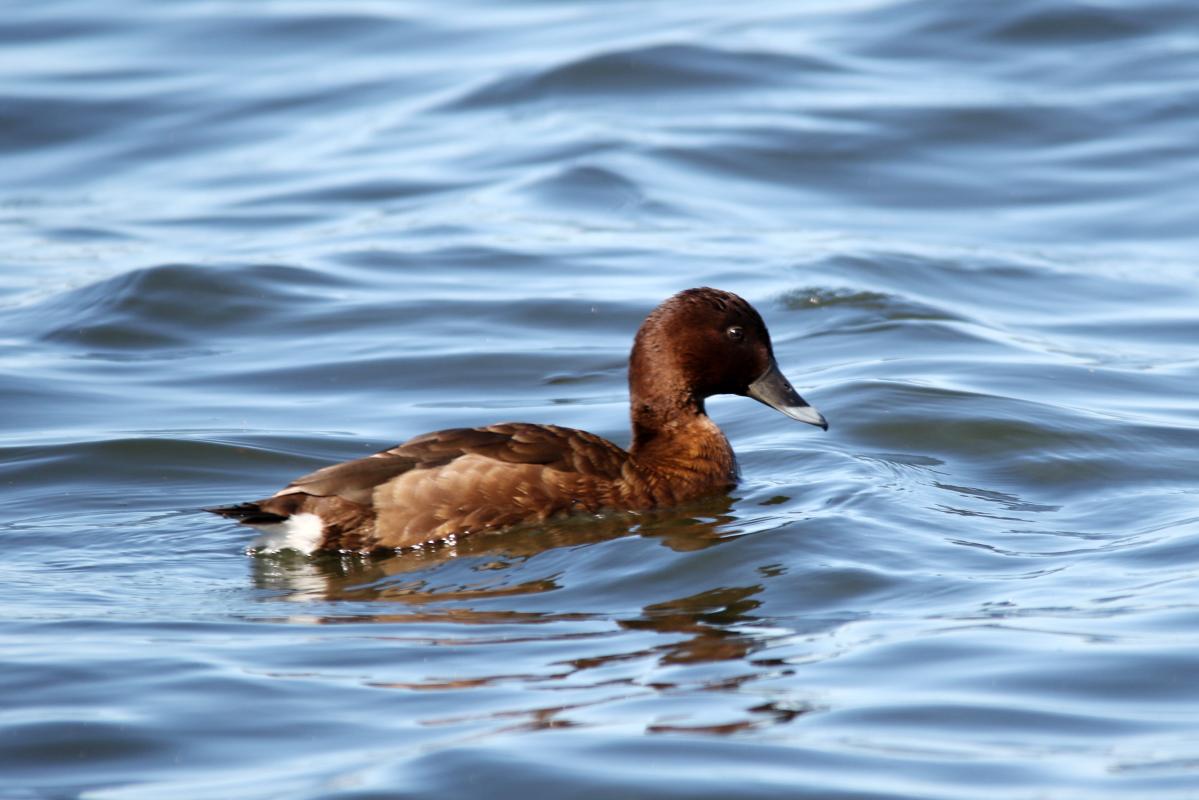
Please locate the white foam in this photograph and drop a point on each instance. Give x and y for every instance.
(301, 532)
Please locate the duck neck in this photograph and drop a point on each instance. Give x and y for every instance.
(672, 433)
(659, 417)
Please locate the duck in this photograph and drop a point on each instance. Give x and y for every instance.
(466, 481)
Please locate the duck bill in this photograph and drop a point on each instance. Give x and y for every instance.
(773, 389)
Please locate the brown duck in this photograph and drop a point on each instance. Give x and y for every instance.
(699, 343)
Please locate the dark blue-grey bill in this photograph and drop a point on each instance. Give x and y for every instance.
(773, 389)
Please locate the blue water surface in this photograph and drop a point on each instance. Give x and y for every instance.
(243, 240)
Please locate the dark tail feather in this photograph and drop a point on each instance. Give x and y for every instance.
(248, 514)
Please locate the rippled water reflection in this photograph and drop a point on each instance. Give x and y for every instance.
(243, 241)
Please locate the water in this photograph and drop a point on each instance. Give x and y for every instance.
(244, 240)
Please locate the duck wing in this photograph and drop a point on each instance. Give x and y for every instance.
(547, 446)
(440, 484)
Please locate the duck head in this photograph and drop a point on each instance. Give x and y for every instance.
(703, 342)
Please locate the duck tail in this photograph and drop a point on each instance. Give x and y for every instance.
(248, 514)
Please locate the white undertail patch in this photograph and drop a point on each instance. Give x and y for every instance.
(302, 532)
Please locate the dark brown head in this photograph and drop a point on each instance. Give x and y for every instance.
(703, 342)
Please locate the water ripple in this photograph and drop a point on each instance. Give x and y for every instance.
(245, 241)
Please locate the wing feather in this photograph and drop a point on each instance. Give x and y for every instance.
(561, 449)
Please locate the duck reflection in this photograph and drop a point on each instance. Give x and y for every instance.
(708, 618)
(709, 626)
(409, 576)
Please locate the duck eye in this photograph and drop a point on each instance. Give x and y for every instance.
(736, 333)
